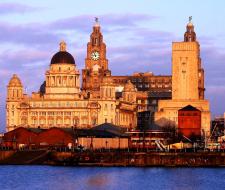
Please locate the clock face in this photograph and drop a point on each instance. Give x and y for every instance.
(95, 55)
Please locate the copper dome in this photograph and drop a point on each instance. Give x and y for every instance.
(62, 56)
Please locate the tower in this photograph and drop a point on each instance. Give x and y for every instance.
(96, 63)
(107, 89)
(187, 83)
(14, 97)
(187, 74)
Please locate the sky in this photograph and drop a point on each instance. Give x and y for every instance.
(138, 36)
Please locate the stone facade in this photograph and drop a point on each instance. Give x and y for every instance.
(187, 83)
(96, 68)
(96, 63)
(61, 102)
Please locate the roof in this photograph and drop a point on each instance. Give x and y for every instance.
(160, 94)
(105, 130)
(15, 81)
(189, 108)
(43, 88)
(35, 130)
(110, 128)
(62, 57)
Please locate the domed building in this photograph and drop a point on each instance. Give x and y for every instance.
(60, 102)
(104, 98)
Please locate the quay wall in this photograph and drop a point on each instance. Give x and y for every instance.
(139, 159)
(203, 159)
(6, 154)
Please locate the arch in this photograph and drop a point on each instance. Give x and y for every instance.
(67, 120)
(24, 120)
(42, 120)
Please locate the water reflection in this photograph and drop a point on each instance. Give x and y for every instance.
(97, 181)
(91, 178)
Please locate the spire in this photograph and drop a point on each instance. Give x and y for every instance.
(62, 46)
(96, 22)
(189, 35)
(190, 19)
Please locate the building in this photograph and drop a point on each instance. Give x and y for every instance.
(21, 137)
(218, 127)
(96, 63)
(61, 102)
(189, 122)
(187, 83)
(104, 98)
(96, 68)
(102, 136)
(150, 89)
(149, 139)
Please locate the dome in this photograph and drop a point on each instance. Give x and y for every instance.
(190, 35)
(190, 24)
(42, 88)
(15, 81)
(62, 56)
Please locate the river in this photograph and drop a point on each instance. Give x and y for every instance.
(111, 178)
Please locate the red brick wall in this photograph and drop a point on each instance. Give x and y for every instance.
(55, 136)
(19, 136)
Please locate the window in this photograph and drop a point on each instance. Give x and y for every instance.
(106, 107)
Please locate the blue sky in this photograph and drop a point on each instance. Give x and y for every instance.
(138, 35)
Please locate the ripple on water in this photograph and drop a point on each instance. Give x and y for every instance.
(112, 178)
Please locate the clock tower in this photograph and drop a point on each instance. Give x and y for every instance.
(96, 64)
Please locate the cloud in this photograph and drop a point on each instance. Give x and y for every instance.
(213, 60)
(27, 63)
(23, 57)
(38, 34)
(215, 94)
(139, 58)
(27, 34)
(82, 23)
(9, 8)
(131, 47)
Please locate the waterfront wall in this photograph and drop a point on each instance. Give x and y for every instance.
(6, 154)
(203, 159)
(149, 159)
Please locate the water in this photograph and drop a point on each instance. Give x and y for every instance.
(94, 178)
